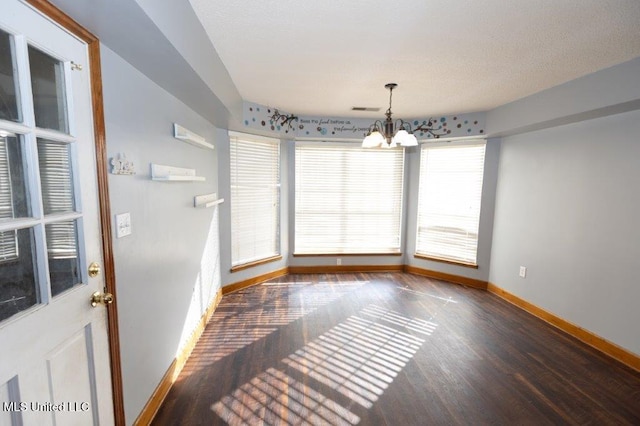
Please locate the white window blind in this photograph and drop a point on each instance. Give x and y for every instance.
(255, 198)
(57, 197)
(347, 199)
(449, 202)
(8, 242)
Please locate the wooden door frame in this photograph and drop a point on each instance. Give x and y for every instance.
(93, 44)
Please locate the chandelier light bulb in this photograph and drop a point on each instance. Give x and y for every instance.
(404, 138)
(409, 140)
(373, 140)
(401, 137)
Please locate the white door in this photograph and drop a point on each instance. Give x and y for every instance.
(54, 357)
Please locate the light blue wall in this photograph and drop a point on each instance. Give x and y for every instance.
(567, 208)
(567, 201)
(168, 270)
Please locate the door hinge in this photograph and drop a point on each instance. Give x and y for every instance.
(76, 67)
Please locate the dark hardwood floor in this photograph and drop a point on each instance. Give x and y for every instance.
(395, 349)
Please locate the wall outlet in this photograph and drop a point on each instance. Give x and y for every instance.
(338, 261)
(523, 271)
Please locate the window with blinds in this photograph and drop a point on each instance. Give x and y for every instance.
(54, 160)
(255, 198)
(449, 202)
(8, 239)
(347, 199)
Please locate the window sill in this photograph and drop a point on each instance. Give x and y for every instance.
(452, 262)
(255, 263)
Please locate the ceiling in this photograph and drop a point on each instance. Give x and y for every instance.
(447, 56)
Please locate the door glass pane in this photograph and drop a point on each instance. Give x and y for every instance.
(55, 176)
(47, 84)
(18, 286)
(13, 193)
(9, 107)
(62, 250)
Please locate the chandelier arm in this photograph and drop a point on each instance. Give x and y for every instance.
(376, 126)
(403, 125)
(409, 128)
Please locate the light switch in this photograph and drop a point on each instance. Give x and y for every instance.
(123, 225)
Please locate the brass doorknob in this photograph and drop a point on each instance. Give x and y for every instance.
(99, 298)
(94, 269)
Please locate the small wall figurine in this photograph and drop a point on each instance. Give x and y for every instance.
(121, 166)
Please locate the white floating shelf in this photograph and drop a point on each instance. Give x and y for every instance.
(188, 136)
(214, 203)
(207, 200)
(180, 178)
(170, 173)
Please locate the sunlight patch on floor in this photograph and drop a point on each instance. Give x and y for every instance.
(361, 356)
(421, 293)
(357, 359)
(230, 330)
(413, 324)
(276, 398)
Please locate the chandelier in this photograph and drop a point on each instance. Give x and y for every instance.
(384, 134)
